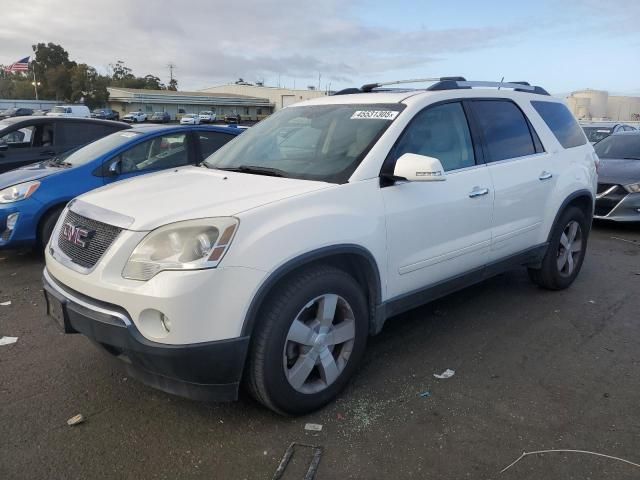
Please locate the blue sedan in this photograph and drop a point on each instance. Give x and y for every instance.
(32, 197)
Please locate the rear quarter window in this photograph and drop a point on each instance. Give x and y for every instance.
(561, 123)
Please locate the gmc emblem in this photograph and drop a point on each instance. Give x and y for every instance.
(77, 235)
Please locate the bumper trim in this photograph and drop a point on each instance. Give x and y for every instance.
(207, 371)
(50, 282)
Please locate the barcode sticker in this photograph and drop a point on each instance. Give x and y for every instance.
(374, 115)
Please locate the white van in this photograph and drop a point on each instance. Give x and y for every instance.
(81, 111)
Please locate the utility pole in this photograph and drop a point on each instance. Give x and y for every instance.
(171, 66)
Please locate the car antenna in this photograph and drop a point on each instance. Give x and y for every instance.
(501, 81)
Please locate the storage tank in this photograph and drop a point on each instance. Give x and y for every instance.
(597, 102)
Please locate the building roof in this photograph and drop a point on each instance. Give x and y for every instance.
(262, 87)
(129, 95)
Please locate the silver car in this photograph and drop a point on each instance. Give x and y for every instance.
(618, 196)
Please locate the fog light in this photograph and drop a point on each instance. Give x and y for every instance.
(166, 323)
(11, 225)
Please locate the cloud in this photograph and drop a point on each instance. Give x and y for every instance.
(214, 42)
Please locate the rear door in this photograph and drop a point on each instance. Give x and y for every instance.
(438, 230)
(521, 173)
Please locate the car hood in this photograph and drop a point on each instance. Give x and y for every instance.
(193, 192)
(31, 172)
(618, 170)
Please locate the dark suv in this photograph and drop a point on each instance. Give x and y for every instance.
(25, 140)
(16, 112)
(105, 114)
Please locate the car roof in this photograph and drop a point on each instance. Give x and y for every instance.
(147, 129)
(43, 118)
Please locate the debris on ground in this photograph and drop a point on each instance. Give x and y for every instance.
(313, 427)
(592, 301)
(632, 242)
(75, 420)
(539, 452)
(339, 416)
(288, 455)
(448, 373)
(8, 340)
(5, 304)
(426, 394)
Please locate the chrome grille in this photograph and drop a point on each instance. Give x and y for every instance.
(102, 237)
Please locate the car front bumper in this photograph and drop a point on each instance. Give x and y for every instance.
(618, 206)
(209, 371)
(25, 231)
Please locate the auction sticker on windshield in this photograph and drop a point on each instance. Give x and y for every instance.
(375, 114)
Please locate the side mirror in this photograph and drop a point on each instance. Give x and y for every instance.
(419, 168)
(114, 168)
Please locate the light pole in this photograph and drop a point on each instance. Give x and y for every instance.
(35, 86)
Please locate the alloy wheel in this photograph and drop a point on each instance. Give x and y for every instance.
(570, 248)
(319, 343)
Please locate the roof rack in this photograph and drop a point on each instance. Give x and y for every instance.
(450, 83)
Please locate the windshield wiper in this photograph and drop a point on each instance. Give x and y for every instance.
(257, 170)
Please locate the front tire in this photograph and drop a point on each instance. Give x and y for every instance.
(311, 338)
(46, 228)
(565, 253)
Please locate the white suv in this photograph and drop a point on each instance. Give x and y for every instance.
(272, 262)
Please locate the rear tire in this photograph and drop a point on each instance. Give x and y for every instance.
(301, 359)
(565, 253)
(46, 228)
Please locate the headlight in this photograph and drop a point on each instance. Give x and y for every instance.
(633, 188)
(190, 245)
(18, 192)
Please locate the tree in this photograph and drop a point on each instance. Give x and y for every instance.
(152, 82)
(173, 85)
(51, 65)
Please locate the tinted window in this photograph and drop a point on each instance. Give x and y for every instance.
(619, 146)
(595, 134)
(504, 128)
(211, 141)
(95, 149)
(165, 151)
(441, 132)
(561, 122)
(80, 133)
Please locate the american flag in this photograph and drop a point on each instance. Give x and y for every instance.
(21, 65)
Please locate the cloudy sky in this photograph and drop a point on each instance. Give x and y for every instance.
(561, 45)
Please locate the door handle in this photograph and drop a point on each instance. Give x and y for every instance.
(478, 192)
(545, 175)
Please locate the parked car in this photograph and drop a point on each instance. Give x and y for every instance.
(25, 140)
(618, 196)
(190, 119)
(135, 117)
(105, 114)
(40, 113)
(596, 131)
(31, 198)
(207, 116)
(275, 261)
(160, 117)
(16, 112)
(80, 111)
(232, 118)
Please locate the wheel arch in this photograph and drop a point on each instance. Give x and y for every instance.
(582, 199)
(353, 259)
(45, 214)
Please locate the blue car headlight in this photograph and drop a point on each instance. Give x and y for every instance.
(18, 192)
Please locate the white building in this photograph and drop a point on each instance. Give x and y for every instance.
(599, 105)
(125, 100)
(278, 97)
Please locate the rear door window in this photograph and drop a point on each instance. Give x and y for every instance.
(81, 133)
(212, 141)
(561, 123)
(505, 129)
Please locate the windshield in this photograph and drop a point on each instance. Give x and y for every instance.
(595, 134)
(94, 150)
(619, 146)
(321, 142)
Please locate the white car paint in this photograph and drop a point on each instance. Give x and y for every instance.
(80, 111)
(135, 117)
(190, 119)
(418, 233)
(207, 117)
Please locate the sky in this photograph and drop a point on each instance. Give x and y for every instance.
(561, 45)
